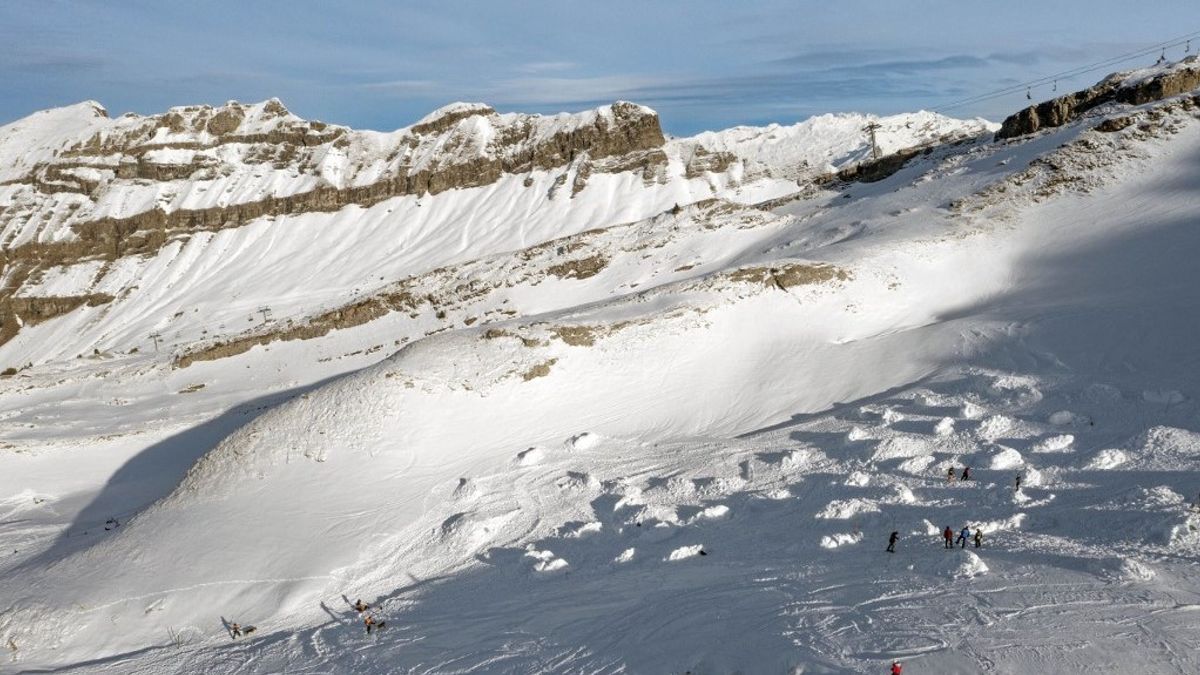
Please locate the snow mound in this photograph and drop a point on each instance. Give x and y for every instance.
(994, 427)
(1059, 443)
(1006, 459)
(685, 552)
(1123, 570)
(466, 489)
(1064, 418)
(530, 457)
(844, 509)
(916, 465)
(1166, 448)
(963, 564)
(898, 447)
(1102, 393)
(584, 441)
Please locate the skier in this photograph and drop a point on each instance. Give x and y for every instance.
(369, 622)
(966, 475)
(892, 542)
(360, 606)
(896, 668)
(1018, 484)
(235, 630)
(950, 475)
(978, 537)
(964, 536)
(948, 536)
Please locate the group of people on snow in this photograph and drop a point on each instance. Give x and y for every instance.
(369, 620)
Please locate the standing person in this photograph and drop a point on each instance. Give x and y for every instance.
(978, 537)
(896, 668)
(892, 542)
(369, 622)
(966, 473)
(950, 475)
(964, 536)
(235, 630)
(1017, 484)
(948, 536)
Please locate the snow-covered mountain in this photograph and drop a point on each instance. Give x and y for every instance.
(557, 394)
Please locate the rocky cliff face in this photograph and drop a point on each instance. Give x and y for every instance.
(1134, 88)
(76, 185)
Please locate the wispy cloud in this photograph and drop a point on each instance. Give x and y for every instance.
(538, 67)
(403, 86)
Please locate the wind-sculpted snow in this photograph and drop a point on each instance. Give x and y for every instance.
(677, 443)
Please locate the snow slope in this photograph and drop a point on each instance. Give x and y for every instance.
(688, 460)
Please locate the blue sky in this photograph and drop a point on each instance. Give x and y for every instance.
(702, 64)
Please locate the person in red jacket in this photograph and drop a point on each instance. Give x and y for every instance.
(896, 668)
(948, 535)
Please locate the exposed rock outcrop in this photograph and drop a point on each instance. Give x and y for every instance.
(1132, 89)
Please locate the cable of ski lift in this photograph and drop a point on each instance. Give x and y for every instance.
(1183, 40)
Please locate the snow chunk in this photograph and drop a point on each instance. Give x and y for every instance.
(971, 411)
(582, 530)
(858, 479)
(857, 434)
(841, 539)
(892, 416)
(625, 556)
(989, 527)
(963, 565)
(1109, 458)
(944, 427)
(546, 561)
(684, 552)
(901, 494)
(716, 512)
(1007, 458)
